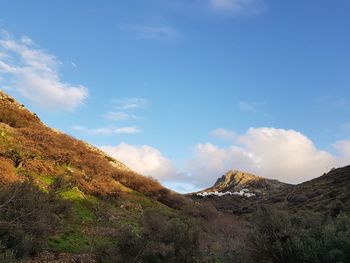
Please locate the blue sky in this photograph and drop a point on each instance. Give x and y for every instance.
(184, 90)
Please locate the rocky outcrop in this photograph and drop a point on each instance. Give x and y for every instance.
(237, 180)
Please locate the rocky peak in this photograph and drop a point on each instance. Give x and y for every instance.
(235, 180)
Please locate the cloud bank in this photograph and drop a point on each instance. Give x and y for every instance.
(33, 73)
(285, 155)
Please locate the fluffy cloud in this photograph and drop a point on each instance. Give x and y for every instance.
(34, 74)
(285, 155)
(107, 131)
(239, 6)
(144, 159)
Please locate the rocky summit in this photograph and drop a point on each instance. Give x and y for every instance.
(236, 180)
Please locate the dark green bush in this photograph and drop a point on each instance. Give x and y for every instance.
(6, 255)
(162, 238)
(28, 216)
(281, 237)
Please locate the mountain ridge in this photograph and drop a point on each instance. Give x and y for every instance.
(328, 193)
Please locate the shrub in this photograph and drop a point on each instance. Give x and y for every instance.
(6, 255)
(280, 237)
(162, 238)
(28, 216)
(15, 117)
(7, 172)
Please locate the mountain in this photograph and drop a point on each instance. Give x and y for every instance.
(238, 192)
(241, 193)
(235, 181)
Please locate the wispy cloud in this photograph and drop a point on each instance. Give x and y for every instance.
(107, 131)
(239, 7)
(151, 32)
(131, 103)
(120, 116)
(224, 134)
(247, 106)
(33, 73)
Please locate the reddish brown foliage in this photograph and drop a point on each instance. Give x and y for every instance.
(37, 149)
(39, 167)
(7, 171)
(14, 116)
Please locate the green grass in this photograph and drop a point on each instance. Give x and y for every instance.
(5, 138)
(83, 205)
(75, 239)
(71, 241)
(46, 180)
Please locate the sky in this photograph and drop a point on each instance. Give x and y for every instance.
(185, 90)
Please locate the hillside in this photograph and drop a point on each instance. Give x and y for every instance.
(103, 194)
(29, 148)
(329, 192)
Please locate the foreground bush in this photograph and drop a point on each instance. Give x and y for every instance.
(6, 255)
(162, 238)
(281, 237)
(27, 217)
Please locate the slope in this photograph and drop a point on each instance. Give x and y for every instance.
(105, 195)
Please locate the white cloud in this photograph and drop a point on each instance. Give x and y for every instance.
(131, 103)
(107, 131)
(120, 116)
(33, 73)
(285, 155)
(239, 6)
(144, 159)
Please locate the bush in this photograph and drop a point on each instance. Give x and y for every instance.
(15, 117)
(162, 238)
(7, 172)
(28, 216)
(6, 255)
(280, 237)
